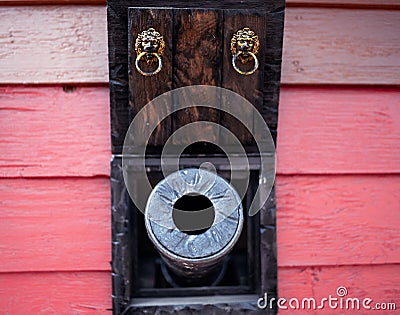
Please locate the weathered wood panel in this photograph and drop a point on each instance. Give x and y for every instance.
(331, 130)
(197, 61)
(249, 86)
(55, 224)
(55, 293)
(322, 220)
(334, 220)
(45, 131)
(71, 48)
(321, 45)
(143, 89)
(89, 292)
(49, 131)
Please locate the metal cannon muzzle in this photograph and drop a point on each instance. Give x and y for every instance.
(194, 218)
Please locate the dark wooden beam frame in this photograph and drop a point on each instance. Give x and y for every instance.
(121, 114)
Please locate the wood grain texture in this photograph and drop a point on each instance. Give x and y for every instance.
(49, 131)
(55, 293)
(248, 86)
(331, 130)
(55, 224)
(321, 45)
(197, 61)
(324, 220)
(143, 89)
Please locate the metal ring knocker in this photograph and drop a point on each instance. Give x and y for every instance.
(244, 47)
(245, 72)
(149, 46)
(147, 56)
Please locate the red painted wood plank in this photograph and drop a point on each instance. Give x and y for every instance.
(338, 130)
(383, 4)
(321, 45)
(64, 224)
(55, 224)
(334, 220)
(341, 46)
(379, 283)
(46, 131)
(55, 293)
(90, 292)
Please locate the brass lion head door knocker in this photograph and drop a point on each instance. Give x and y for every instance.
(244, 47)
(149, 47)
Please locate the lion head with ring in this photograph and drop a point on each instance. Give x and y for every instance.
(150, 42)
(245, 41)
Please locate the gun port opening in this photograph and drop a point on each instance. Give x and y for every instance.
(193, 214)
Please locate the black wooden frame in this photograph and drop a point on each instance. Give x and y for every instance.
(117, 15)
(125, 257)
(121, 205)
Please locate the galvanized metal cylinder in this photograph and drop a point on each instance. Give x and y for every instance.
(194, 218)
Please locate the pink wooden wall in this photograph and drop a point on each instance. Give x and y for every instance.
(338, 181)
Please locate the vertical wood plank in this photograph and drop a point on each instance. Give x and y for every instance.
(272, 69)
(142, 89)
(248, 86)
(117, 25)
(197, 61)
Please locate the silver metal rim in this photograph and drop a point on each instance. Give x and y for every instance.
(212, 258)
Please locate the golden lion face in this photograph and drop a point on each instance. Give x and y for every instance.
(245, 41)
(150, 41)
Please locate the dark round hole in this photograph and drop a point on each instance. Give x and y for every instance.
(193, 214)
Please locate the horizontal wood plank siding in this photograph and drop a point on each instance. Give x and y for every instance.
(55, 224)
(321, 45)
(379, 283)
(336, 3)
(338, 182)
(48, 44)
(338, 130)
(346, 131)
(323, 220)
(49, 132)
(56, 292)
(338, 46)
(338, 220)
